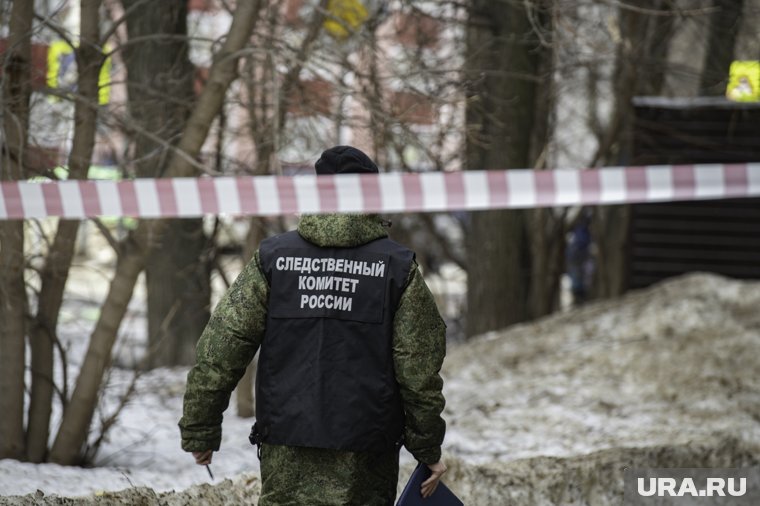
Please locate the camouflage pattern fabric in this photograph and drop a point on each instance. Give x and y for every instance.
(225, 348)
(419, 346)
(308, 476)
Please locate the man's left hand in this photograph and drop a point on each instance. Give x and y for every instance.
(429, 485)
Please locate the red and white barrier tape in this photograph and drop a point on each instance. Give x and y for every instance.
(383, 193)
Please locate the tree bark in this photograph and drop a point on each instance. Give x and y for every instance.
(178, 292)
(42, 337)
(72, 435)
(12, 346)
(76, 420)
(640, 70)
(16, 92)
(547, 249)
(160, 90)
(609, 228)
(723, 30)
(55, 272)
(545, 227)
(502, 65)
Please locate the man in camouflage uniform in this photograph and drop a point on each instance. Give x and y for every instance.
(300, 468)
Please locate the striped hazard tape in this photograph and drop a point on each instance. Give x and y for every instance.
(384, 193)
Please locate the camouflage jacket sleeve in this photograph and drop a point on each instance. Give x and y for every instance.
(419, 346)
(226, 347)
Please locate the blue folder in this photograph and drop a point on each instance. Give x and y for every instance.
(411, 495)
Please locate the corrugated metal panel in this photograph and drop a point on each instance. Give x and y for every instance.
(669, 239)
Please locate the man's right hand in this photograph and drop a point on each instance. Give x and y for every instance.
(429, 485)
(203, 458)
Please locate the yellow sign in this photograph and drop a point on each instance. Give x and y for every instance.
(61, 66)
(104, 80)
(344, 17)
(744, 81)
(62, 73)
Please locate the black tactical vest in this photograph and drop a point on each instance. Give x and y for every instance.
(325, 375)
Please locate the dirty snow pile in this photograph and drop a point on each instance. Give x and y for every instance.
(666, 365)
(543, 413)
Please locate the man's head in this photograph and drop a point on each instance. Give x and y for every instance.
(345, 160)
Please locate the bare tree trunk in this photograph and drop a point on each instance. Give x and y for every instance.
(724, 28)
(547, 241)
(16, 93)
(497, 274)
(640, 70)
(610, 231)
(12, 352)
(42, 337)
(378, 116)
(72, 434)
(291, 78)
(160, 89)
(179, 291)
(502, 65)
(545, 228)
(77, 417)
(268, 102)
(56, 269)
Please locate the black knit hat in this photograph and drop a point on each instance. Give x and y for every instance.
(345, 160)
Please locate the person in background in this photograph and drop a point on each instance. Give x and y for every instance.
(351, 346)
(579, 258)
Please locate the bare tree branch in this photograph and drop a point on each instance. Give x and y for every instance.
(72, 433)
(107, 235)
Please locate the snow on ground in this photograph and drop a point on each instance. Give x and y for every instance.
(673, 366)
(143, 449)
(667, 365)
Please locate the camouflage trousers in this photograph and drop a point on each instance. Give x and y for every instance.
(293, 476)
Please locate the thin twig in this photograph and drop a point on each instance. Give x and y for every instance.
(702, 11)
(218, 266)
(108, 236)
(107, 423)
(63, 34)
(122, 19)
